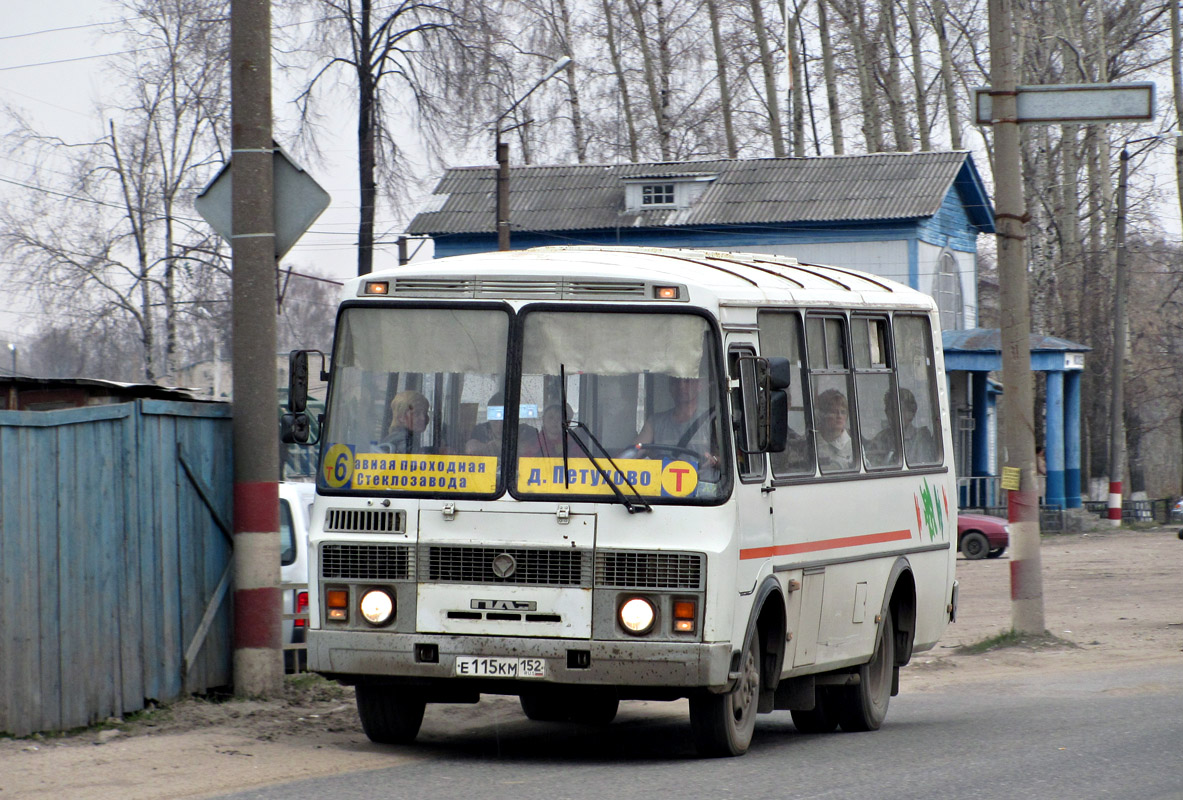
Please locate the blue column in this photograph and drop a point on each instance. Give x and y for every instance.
(980, 463)
(1054, 439)
(1072, 439)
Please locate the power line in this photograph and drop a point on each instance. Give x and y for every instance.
(60, 30)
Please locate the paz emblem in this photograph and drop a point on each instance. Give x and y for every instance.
(504, 565)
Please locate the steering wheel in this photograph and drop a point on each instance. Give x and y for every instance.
(649, 450)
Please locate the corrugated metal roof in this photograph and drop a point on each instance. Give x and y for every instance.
(867, 188)
(989, 340)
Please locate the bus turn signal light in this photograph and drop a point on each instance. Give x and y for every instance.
(377, 287)
(665, 292)
(685, 612)
(337, 601)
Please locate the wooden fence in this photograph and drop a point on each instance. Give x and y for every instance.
(115, 558)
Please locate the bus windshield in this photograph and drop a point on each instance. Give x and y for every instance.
(608, 404)
(642, 406)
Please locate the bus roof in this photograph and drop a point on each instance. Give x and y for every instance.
(630, 273)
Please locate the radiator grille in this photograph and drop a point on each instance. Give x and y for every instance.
(537, 567)
(364, 520)
(627, 569)
(366, 562)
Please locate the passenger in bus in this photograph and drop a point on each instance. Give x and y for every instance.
(485, 439)
(549, 441)
(410, 413)
(919, 444)
(683, 426)
(834, 449)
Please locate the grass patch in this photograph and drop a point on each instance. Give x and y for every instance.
(1012, 638)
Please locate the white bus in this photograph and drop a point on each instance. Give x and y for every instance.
(582, 475)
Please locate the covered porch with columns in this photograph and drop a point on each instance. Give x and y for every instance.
(970, 357)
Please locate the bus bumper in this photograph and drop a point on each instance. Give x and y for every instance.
(618, 663)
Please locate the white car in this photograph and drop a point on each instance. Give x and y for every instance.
(295, 505)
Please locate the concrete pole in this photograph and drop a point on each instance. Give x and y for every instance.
(502, 192)
(1018, 401)
(258, 657)
(1117, 403)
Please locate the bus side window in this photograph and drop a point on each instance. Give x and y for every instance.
(878, 404)
(780, 335)
(829, 369)
(918, 391)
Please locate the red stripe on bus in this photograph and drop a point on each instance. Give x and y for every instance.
(825, 544)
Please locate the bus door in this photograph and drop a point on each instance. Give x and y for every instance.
(753, 492)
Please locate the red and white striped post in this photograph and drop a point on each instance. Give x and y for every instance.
(1114, 503)
(258, 653)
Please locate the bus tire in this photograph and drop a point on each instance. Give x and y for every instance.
(821, 718)
(595, 706)
(863, 707)
(388, 715)
(723, 723)
(544, 706)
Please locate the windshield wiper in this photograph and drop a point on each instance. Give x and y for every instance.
(633, 506)
(566, 421)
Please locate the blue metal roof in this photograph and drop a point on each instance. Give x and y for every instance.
(862, 188)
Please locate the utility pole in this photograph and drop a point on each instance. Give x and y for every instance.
(1117, 409)
(1018, 400)
(502, 153)
(258, 657)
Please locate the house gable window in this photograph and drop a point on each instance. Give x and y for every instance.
(664, 192)
(657, 194)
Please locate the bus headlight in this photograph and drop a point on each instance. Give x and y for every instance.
(637, 615)
(377, 606)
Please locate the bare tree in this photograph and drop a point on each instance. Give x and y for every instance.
(412, 51)
(117, 240)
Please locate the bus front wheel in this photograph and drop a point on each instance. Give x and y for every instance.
(723, 723)
(388, 715)
(863, 706)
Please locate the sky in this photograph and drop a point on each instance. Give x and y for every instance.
(51, 71)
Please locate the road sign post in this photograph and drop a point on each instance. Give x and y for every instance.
(1005, 106)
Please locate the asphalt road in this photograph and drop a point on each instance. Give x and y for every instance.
(1050, 736)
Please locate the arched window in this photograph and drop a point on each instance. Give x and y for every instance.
(946, 291)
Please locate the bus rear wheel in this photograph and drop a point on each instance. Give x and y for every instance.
(863, 707)
(388, 715)
(723, 723)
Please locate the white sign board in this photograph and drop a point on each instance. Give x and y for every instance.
(1074, 103)
(299, 200)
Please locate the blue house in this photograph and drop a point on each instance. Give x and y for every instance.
(911, 217)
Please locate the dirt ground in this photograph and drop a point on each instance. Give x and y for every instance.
(1113, 598)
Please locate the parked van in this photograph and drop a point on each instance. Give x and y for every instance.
(295, 505)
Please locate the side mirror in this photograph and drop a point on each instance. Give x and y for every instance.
(774, 376)
(294, 428)
(297, 381)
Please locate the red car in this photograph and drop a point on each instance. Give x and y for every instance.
(982, 536)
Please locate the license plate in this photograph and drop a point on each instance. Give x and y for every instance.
(494, 667)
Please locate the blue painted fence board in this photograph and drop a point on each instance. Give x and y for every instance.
(108, 557)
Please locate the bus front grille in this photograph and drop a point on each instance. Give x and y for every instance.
(364, 520)
(366, 562)
(638, 569)
(505, 565)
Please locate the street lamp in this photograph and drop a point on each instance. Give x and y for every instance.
(502, 152)
(12, 347)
